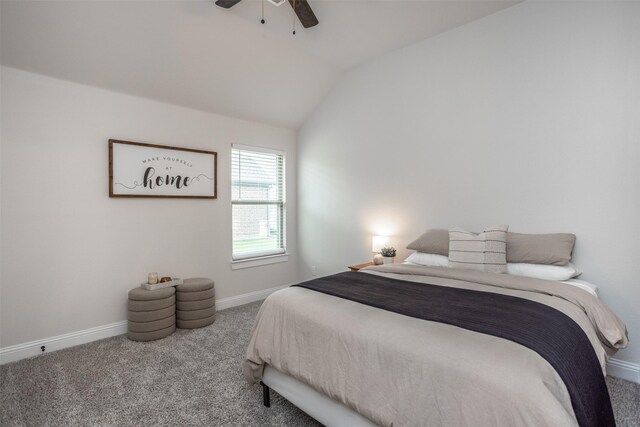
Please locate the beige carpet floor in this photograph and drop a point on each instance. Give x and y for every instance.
(193, 377)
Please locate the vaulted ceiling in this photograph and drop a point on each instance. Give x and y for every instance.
(195, 54)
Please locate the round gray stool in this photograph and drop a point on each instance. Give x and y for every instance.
(151, 314)
(195, 303)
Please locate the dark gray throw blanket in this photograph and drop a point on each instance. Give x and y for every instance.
(545, 330)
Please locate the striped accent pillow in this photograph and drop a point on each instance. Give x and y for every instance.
(486, 251)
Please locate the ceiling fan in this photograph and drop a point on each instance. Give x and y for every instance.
(300, 7)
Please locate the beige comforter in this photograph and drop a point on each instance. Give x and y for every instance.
(398, 370)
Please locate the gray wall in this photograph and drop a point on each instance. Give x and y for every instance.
(529, 117)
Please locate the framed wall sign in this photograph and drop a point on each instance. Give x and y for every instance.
(148, 170)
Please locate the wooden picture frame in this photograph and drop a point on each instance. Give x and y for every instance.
(149, 170)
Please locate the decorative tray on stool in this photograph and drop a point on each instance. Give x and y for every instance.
(174, 282)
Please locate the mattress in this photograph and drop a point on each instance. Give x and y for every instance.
(398, 370)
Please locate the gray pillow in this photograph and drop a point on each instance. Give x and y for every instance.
(432, 242)
(549, 249)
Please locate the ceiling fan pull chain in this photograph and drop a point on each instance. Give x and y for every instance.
(294, 17)
(262, 21)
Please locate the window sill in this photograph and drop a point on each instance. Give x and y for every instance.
(258, 261)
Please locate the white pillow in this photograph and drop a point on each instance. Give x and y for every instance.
(543, 271)
(583, 284)
(533, 270)
(430, 260)
(539, 271)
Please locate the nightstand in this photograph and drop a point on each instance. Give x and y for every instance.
(359, 266)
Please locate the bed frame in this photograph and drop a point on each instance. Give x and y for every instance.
(320, 407)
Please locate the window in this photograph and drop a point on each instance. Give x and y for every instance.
(258, 202)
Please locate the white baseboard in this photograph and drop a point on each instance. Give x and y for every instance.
(243, 299)
(625, 370)
(33, 348)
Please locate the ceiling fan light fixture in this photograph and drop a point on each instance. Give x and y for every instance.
(301, 9)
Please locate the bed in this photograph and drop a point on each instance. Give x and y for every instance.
(349, 358)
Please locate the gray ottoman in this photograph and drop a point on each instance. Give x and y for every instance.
(151, 314)
(195, 303)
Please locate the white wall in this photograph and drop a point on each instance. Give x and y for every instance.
(69, 252)
(529, 117)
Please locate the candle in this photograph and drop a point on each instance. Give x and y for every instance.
(153, 278)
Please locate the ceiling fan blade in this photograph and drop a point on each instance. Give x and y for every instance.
(304, 12)
(227, 3)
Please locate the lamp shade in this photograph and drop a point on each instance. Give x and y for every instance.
(378, 242)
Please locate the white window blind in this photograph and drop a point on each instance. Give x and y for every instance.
(258, 202)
